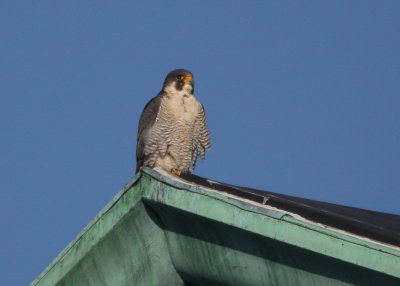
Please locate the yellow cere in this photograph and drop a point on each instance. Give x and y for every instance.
(187, 78)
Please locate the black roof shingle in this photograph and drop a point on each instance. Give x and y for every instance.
(383, 227)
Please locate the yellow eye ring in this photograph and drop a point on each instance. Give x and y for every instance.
(180, 77)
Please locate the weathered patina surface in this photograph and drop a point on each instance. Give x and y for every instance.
(160, 230)
(121, 246)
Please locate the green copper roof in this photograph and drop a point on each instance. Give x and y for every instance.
(161, 230)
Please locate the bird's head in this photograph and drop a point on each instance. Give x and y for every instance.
(180, 80)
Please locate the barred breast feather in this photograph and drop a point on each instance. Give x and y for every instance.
(172, 133)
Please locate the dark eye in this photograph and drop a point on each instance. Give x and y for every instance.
(180, 77)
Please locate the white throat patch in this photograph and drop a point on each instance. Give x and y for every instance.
(181, 103)
(186, 90)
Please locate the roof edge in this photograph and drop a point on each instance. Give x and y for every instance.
(161, 187)
(87, 229)
(314, 236)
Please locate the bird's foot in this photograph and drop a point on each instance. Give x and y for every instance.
(176, 172)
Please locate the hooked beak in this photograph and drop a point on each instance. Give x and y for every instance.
(187, 78)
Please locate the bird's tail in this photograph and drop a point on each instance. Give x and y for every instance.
(138, 166)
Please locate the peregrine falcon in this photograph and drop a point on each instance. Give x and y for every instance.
(172, 129)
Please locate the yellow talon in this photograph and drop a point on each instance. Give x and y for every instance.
(176, 172)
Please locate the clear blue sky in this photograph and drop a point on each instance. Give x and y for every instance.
(302, 98)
